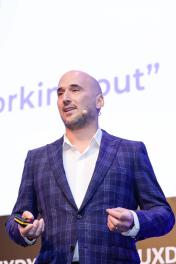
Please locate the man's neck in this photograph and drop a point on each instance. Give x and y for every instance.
(81, 138)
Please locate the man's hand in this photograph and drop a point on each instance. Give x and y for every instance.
(34, 230)
(120, 219)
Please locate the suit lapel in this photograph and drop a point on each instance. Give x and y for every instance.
(56, 162)
(108, 149)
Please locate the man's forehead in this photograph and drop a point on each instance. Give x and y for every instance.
(81, 79)
(74, 78)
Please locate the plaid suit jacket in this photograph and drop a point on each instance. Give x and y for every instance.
(123, 177)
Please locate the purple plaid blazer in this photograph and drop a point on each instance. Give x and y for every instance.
(123, 177)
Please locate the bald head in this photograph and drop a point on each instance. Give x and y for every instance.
(82, 79)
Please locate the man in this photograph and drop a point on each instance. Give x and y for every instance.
(85, 190)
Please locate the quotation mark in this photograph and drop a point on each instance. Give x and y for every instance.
(153, 68)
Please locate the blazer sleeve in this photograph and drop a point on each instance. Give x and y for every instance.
(155, 215)
(26, 201)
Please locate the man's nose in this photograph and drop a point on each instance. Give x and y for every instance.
(66, 96)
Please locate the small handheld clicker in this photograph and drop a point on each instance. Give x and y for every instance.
(23, 221)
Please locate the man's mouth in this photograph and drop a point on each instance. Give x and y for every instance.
(68, 108)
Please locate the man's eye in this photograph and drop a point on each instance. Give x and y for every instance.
(75, 90)
(59, 93)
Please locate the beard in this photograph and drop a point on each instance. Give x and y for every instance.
(80, 121)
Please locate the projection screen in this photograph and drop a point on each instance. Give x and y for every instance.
(129, 46)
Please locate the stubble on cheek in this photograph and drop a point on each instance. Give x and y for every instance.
(75, 122)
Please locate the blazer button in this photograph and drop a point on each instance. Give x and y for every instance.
(79, 216)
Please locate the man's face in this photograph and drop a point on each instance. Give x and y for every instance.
(77, 100)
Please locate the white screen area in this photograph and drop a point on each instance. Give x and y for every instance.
(129, 46)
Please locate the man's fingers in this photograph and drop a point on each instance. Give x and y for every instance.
(33, 230)
(115, 224)
(36, 229)
(40, 228)
(117, 209)
(25, 230)
(27, 214)
(113, 220)
(119, 219)
(110, 226)
(120, 213)
(113, 213)
(43, 225)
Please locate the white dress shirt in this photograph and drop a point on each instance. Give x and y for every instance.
(79, 169)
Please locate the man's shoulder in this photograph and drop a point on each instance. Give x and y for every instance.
(42, 149)
(121, 139)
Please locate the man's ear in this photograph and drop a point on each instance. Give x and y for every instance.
(99, 101)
